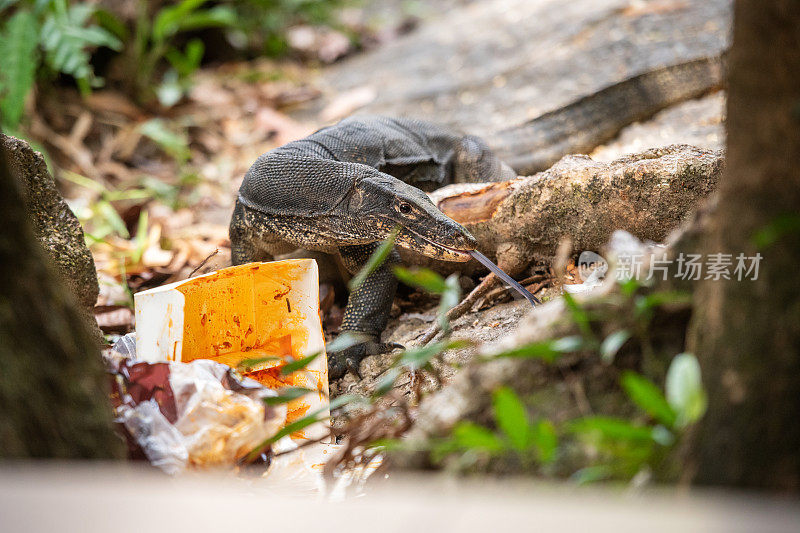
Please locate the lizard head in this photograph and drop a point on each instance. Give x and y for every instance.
(386, 202)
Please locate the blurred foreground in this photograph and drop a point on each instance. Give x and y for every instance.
(54, 497)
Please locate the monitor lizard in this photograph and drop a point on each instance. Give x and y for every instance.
(343, 190)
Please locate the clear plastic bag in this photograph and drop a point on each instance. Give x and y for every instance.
(199, 413)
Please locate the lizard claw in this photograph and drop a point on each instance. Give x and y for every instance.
(354, 367)
(349, 359)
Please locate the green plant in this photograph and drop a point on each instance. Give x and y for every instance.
(46, 36)
(624, 447)
(615, 447)
(99, 218)
(263, 23)
(176, 81)
(531, 442)
(154, 40)
(173, 143)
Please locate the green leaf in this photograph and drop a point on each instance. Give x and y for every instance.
(168, 19)
(387, 381)
(216, 17)
(83, 181)
(648, 397)
(345, 399)
(375, 260)
(18, 50)
(567, 344)
(628, 286)
(418, 357)
(579, 315)
(286, 395)
(685, 392)
(415, 358)
(299, 364)
(246, 365)
(66, 38)
(112, 218)
(308, 420)
(590, 474)
(7, 3)
(423, 278)
(611, 345)
(657, 299)
(543, 437)
(185, 63)
(129, 194)
(548, 350)
(288, 429)
(663, 436)
(471, 436)
(610, 428)
(450, 298)
(174, 144)
(141, 237)
(193, 54)
(511, 417)
(780, 226)
(390, 445)
(346, 340)
(170, 90)
(110, 22)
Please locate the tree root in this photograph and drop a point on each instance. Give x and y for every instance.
(462, 308)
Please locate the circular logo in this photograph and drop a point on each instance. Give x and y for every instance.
(591, 266)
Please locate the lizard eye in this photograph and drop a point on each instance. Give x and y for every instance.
(404, 208)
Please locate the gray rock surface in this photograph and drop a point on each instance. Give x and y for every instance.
(647, 194)
(699, 122)
(484, 326)
(54, 224)
(494, 64)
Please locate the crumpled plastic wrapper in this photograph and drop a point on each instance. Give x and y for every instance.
(160, 441)
(191, 414)
(300, 470)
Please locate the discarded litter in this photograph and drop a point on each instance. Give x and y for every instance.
(256, 317)
(198, 414)
(175, 391)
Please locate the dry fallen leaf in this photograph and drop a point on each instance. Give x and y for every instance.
(348, 102)
(114, 318)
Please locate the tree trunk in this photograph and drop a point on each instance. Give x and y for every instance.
(53, 391)
(747, 333)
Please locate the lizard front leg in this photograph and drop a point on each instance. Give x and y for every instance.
(367, 310)
(244, 237)
(253, 237)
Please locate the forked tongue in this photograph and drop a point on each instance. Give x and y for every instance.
(505, 277)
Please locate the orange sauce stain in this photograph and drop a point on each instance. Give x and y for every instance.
(241, 313)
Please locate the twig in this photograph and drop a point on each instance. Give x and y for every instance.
(77, 153)
(578, 392)
(368, 427)
(203, 262)
(499, 291)
(329, 435)
(462, 308)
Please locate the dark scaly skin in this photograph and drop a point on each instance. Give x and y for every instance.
(342, 190)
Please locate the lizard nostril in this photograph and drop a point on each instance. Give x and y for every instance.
(465, 239)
